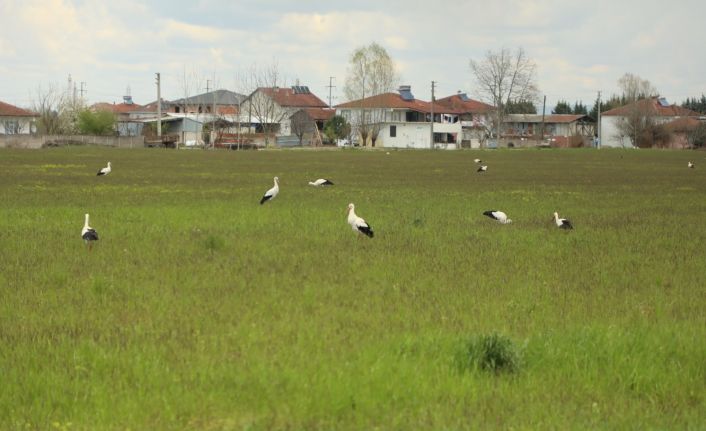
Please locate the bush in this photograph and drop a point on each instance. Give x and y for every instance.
(496, 353)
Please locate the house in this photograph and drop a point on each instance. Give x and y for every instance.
(475, 117)
(125, 123)
(220, 102)
(560, 130)
(656, 109)
(398, 120)
(177, 129)
(16, 121)
(306, 125)
(271, 108)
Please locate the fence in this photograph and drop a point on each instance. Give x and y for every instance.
(34, 142)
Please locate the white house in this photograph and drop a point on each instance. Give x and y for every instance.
(655, 107)
(16, 121)
(475, 117)
(401, 121)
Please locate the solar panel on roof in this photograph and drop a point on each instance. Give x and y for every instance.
(406, 95)
(663, 102)
(300, 89)
(464, 97)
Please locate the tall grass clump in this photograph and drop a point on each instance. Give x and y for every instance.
(494, 353)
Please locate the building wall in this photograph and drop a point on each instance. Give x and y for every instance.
(610, 136)
(416, 135)
(9, 126)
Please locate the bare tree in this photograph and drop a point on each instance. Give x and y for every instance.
(263, 84)
(639, 121)
(635, 88)
(371, 72)
(503, 78)
(302, 124)
(58, 110)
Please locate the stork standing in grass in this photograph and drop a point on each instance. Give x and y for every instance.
(320, 182)
(690, 165)
(500, 216)
(478, 160)
(88, 234)
(271, 193)
(358, 224)
(482, 168)
(104, 171)
(562, 222)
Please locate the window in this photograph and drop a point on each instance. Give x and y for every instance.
(393, 131)
(12, 127)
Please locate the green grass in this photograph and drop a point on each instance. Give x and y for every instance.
(201, 309)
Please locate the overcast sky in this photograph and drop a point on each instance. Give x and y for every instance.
(579, 47)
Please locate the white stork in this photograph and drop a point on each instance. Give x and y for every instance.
(358, 224)
(320, 182)
(482, 168)
(690, 165)
(104, 171)
(271, 193)
(562, 222)
(500, 216)
(478, 160)
(88, 233)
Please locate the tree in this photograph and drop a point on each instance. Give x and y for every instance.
(698, 105)
(638, 121)
(301, 124)
(505, 77)
(58, 110)
(696, 136)
(613, 102)
(336, 128)
(562, 107)
(580, 109)
(96, 123)
(371, 72)
(521, 107)
(635, 88)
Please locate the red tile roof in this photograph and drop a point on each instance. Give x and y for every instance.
(320, 113)
(654, 106)
(684, 124)
(7, 110)
(395, 101)
(117, 108)
(458, 103)
(286, 97)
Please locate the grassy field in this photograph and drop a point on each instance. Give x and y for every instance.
(200, 309)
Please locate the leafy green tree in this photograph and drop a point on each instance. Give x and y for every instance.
(521, 107)
(562, 107)
(698, 105)
(580, 109)
(606, 105)
(336, 127)
(96, 123)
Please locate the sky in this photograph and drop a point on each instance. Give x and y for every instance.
(580, 48)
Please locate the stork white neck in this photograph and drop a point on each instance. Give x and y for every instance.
(85, 225)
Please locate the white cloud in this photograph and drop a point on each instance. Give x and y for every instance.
(579, 49)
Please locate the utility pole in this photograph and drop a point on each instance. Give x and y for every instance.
(598, 123)
(159, 107)
(540, 137)
(330, 86)
(433, 84)
(82, 90)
